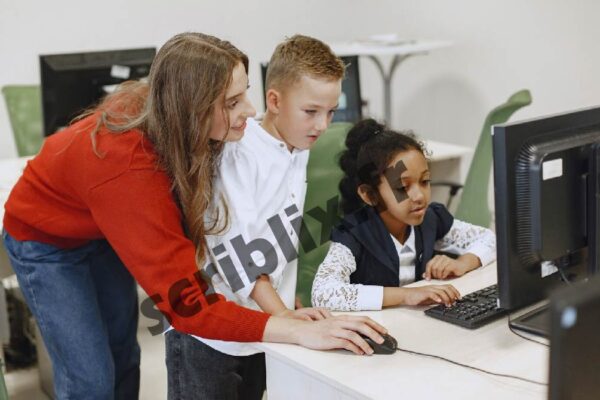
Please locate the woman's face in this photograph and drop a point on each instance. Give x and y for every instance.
(234, 104)
(405, 188)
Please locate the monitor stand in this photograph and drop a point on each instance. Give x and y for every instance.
(536, 321)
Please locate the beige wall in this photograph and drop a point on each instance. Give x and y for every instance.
(499, 47)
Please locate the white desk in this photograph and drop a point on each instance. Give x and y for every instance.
(400, 52)
(441, 151)
(294, 372)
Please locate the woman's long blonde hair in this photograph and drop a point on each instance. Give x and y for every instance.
(188, 79)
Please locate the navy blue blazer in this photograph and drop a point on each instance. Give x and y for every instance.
(377, 262)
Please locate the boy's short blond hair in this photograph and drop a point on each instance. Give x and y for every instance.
(302, 55)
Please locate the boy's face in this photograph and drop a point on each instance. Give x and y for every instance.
(304, 110)
(235, 105)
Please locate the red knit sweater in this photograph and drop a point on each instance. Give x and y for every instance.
(68, 196)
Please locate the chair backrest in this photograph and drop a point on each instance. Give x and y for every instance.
(24, 106)
(473, 206)
(322, 195)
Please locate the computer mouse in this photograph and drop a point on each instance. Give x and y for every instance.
(388, 346)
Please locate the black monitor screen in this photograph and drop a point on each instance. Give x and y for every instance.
(350, 102)
(73, 82)
(574, 350)
(546, 202)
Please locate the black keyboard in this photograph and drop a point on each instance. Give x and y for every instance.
(472, 311)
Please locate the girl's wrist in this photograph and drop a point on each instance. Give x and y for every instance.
(394, 296)
(469, 262)
(401, 296)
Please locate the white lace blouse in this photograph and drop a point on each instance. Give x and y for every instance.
(332, 288)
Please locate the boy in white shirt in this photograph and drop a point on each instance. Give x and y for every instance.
(262, 180)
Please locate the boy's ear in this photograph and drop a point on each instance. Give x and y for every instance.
(273, 100)
(366, 194)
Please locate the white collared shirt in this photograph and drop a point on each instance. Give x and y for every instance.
(407, 254)
(259, 179)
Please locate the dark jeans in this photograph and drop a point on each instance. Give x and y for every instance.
(85, 303)
(197, 371)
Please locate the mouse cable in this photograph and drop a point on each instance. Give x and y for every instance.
(523, 336)
(471, 367)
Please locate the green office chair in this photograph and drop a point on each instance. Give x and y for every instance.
(323, 176)
(473, 206)
(24, 106)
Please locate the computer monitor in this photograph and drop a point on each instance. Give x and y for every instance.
(73, 82)
(350, 102)
(546, 181)
(574, 351)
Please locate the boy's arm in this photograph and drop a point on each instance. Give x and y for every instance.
(237, 183)
(266, 297)
(269, 301)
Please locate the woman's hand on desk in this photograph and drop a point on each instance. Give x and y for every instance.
(418, 296)
(444, 267)
(341, 332)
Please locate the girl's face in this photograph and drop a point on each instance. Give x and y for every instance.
(405, 188)
(236, 105)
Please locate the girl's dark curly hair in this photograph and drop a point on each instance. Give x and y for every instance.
(370, 147)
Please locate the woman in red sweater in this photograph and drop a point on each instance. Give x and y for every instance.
(119, 197)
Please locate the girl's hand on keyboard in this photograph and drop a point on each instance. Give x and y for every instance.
(432, 294)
